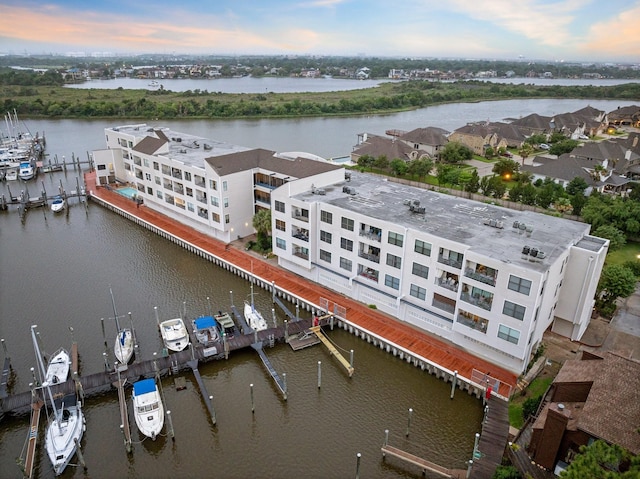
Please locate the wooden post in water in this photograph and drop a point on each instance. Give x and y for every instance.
(4, 348)
(286, 331)
(297, 311)
(284, 381)
(319, 374)
(213, 411)
(409, 421)
(358, 456)
(79, 454)
(253, 408)
(453, 382)
(273, 291)
(351, 359)
(171, 434)
(231, 294)
(273, 315)
(469, 468)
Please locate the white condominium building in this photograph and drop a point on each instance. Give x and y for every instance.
(212, 186)
(489, 279)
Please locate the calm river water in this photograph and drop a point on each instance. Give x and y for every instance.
(56, 271)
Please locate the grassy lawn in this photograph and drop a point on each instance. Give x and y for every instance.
(537, 388)
(629, 252)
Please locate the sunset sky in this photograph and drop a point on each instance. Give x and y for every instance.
(569, 30)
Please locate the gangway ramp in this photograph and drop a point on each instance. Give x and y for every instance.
(193, 364)
(33, 438)
(332, 349)
(421, 463)
(267, 364)
(124, 414)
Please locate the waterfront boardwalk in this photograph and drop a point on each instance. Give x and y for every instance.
(420, 343)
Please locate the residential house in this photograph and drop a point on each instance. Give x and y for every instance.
(591, 398)
(477, 137)
(626, 115)
(375, 146)
(430, 139)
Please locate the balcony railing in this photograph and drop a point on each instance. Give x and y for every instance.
(448, 283)
(448, 307)
(483, 278)
(302, 235)
(451, 262)
(372, 235)
(369, 274)
(479, 301)
(304, 254)
(478, 325)
(371, 257)
(300, 215)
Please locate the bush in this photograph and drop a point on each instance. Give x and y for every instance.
(633, 266)
(507, 472)
(530, 406)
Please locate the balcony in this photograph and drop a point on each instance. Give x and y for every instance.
(369, 232)
(478, 300)
(483, 274)
(451, 261)
(449, 281)
(445, 304)
(176, 173)
(370, 254)
(300, 214)
(301, 234)
(301, 252)
(472, 321)
(368, 273)
(201, 197)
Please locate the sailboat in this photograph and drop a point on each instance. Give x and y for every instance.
(66, 426)
(253, 317)
(58, 368)
(123, 347)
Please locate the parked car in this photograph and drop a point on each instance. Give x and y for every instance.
(544, 146)
(583, 137)
(508, 154)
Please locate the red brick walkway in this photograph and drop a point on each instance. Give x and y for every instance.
(423, 344)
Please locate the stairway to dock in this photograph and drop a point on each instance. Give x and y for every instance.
(332, 349)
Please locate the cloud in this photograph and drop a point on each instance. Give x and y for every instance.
(321, 4)
(546, 23)
(624, 43)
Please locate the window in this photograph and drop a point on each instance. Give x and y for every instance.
(279, 205)
(422, 248)
(156, 166)
(281, 225)
(326, 217)
(514, 310)
(226, 202)
(157, 178)
(145, 162)
(420, 270)
(325, 256)
(325, 236)
(391, 281)
(102, 167)
(227, 220)
(346, 264)
(191, 208)
(346, 244)
(213, 185)
(508, 334)
(418, 292)
(393, 260)
(520, 285)
(147, 176)
(347, 224)
(189, 192)
(395, 238)
(280, 243)
(214, 201)
(187, 176)
(224, 186)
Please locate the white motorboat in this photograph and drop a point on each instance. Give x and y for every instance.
(252, 316)
(11, 174)
(58, 368)
(26, 171)
(147, 407)
(66, 425)
(124, 344)
(206, 330)
(174, 334)
(58, 204)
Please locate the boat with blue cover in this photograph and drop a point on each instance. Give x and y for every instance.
(147, 407)
(206, 330)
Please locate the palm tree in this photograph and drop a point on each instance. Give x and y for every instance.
(262, 224)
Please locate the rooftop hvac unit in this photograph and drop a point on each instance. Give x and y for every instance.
(406, 202)
(492, 223)
(321, 191)
(526, 250)
(345, 189)
(499, 224)
(542, 255)
(420, 209)
(516, 224)
(347, 175)
(352, 191)
(522, 226)
(534, 252)
(416, 202)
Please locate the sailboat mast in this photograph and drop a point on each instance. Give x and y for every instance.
(41, 368)
(115, 313)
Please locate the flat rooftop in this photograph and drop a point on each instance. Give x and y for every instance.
(188, 149)
(484, 228)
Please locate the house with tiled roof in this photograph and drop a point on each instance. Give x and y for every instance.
(614, 155)
(430, 139)
(626, 115)
(375, 146)
(534, 124)
(562, 170)
(591, 398)
(477, 137)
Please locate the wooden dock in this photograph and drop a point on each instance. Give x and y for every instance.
(124, 413)
(193, 364)
(332, 349)
(423, 464)
(4, 384)
(303, 340)
(32, 442)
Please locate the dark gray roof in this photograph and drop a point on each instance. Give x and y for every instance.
(297, 167)
(533, 122)
(430, 135)
(149, 145)
(379, 145)
(564, 167)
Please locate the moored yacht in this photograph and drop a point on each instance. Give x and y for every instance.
(147, 407)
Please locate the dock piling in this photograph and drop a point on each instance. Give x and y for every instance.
(358, 456)
(469, 468)
(253, 408)
(79, 454)
(213, 411)
(319, 374)
(409, 421)
(284, 382)
(171, 433)
(453, 382)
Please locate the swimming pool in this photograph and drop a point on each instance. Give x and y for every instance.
(128, 191)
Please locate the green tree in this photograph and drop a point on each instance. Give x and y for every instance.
(600, 460)
(381, 162)
(506, 166)
(536, 139)
(365, 161)
(617, 238)
(616, 281)
(525, 151)
(399, 167)
(420, 167)
(262, 224)
(565, 146)
(455, 153)
(473, 184)
(577, 185)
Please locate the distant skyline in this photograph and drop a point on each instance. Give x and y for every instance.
(569, 30)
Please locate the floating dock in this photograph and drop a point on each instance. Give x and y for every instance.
(267, 364)
(124, 414)
(422, 463)
(36, 407)
(332, 349)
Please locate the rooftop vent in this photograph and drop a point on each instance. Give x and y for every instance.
(526, 250)
(516, 224)
(417, 209)
(347, 175)
(406, 202)
(321, 191)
